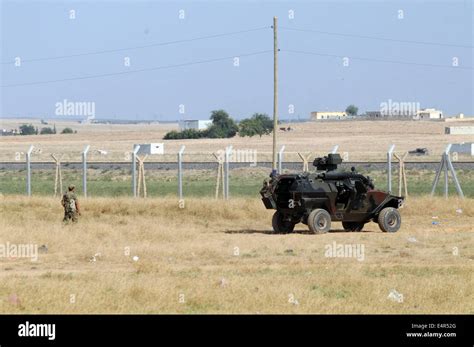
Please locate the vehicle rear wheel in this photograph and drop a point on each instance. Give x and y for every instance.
(389, 220)
(353, 226)
(319, 221)
(281, 226)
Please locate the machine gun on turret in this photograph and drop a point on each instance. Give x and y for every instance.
(327, 163)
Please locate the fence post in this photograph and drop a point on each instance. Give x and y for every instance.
(446, 181)
(28, 170)
(224, 178)
(437, 175)
(84, 170)
(455, 178)
(134, 170)
(226, 172)
(389, 168)
(280, 158)
(446, 165)
(180, 172)
(446, 178)
(334, 149)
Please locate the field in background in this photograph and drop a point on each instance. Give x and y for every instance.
(362, 140)
(215, 256)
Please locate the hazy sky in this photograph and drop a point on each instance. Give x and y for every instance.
(36, 29)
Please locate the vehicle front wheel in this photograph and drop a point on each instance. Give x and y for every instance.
(389, 220)
(319, 221)
(280, 225)
(353, 226)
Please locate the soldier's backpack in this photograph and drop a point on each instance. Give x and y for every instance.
(69, 202)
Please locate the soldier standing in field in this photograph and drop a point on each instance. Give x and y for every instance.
(71, 205)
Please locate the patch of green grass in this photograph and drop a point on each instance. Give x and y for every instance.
(330, 293)
(114, 183)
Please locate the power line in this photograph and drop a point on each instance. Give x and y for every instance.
(377, 38)
(378, 60)
(166, 43)
(135, 71)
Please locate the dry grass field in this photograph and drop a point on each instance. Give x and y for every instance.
(363, 140)
(151, 256)
(216, 257)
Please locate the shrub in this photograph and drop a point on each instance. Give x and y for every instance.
(28, 129)
(258, 124)
(46, 131)
(185, 134)
(67, 131)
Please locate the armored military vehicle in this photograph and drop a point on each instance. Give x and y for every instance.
(326, 195)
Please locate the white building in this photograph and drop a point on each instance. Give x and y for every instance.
(467, 130)
(429, 113)
(150, 148)
(194, 124)
(328, 115)
(465, 148)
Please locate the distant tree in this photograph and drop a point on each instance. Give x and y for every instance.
(258, 124)
(67, 131)
(27, 129)
(222, 125)
(352, 110)
(46, 131)
(248, 127)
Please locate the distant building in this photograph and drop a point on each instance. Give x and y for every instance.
(322, 115)
(460, 117)
(467, 130)
(150, 148)
(374, 114)
(457, 116)
(194, 124)
(88, 120)
(429, 113)
(6, 132)
(464, 148)
(396, 114)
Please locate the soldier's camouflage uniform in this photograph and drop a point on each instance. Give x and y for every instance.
(70, 209)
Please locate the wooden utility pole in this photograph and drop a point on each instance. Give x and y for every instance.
(275, 94)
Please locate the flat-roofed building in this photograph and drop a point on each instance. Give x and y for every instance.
(194, 124)
(429, 113)
(323, 115)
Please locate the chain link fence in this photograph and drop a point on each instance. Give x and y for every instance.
(109, 173)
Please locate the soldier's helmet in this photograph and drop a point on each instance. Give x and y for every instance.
(71, 187)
